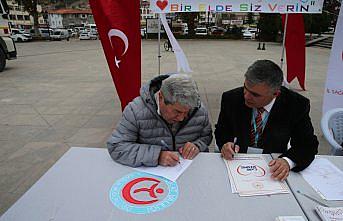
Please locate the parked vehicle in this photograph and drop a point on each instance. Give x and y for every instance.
(43, 32)
(19, 37)
(90, 27)
(201, 31)
(218, 31)
(247, 35)
(21, 32)
(7, 47)
(72, 33)
(185, 28)
(60, 34)
(143, 32)
(84, 36)
(93, 35)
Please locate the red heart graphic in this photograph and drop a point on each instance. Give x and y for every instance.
(162, 4)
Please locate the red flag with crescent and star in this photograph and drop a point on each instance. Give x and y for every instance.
(295, 48)
(118, 24)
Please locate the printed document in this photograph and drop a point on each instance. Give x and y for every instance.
(330, 213)
(170, 173)
(325, 178)
(249, 176)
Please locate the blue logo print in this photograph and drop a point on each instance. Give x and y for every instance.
(143, 193)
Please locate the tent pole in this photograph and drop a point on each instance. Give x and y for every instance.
(283, 42)
(159, 44)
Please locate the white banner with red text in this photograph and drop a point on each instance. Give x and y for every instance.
(333, 95)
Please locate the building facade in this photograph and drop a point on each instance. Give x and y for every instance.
(19, 18)
(69, 18)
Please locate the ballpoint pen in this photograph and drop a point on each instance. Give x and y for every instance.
(166, 146)
(311, 198)
(234, 144)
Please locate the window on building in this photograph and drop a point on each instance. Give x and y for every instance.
(20, 17)
(12, 17)
(26, 17)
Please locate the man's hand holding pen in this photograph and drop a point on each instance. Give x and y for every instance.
(170, 158)
(229, 149)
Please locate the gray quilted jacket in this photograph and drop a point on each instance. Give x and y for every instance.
(137, 138)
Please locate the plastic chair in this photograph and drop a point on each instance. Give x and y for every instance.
(332, 127)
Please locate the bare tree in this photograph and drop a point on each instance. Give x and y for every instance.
(31, 7)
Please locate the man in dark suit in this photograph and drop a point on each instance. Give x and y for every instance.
(265, 115)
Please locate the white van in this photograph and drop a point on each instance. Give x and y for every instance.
(60, 34)
(43, 32)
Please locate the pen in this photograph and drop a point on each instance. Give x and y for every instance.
(311, 198)
(234, 144)
(166, 145)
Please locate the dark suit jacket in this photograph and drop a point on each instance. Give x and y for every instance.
(288, 120)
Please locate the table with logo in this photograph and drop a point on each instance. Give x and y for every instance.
(86, 184)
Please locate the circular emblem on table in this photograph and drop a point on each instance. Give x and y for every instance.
(143, 193)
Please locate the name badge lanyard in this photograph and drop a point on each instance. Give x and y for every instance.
(264, 122)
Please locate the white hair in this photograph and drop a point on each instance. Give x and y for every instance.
(182, 89)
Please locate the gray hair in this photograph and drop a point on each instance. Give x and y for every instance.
(265, 71)
(182, 89)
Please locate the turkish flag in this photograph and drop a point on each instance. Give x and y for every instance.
(295, 48)
(118, 24)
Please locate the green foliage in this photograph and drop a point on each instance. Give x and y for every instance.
(269, 26)
(189, 18)
(31, 7)
(250, 18)
(234, 32)
(319, 23)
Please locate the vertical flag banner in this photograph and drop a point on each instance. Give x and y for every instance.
(181, 60)
(333, 94)
(118, 24)
(295, 48)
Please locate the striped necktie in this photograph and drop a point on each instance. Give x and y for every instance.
(259, 128)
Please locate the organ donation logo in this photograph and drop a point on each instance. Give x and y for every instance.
(251, 170)
(143, 193)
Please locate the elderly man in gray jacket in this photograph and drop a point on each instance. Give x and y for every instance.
(166, 118)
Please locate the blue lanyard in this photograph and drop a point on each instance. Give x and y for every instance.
(264, 122)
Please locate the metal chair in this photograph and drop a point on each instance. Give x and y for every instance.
(332, 127)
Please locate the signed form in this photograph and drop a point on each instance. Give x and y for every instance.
(249, 176)
(170, 173)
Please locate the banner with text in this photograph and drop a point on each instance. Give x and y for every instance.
(271, 6)
(333, 95)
